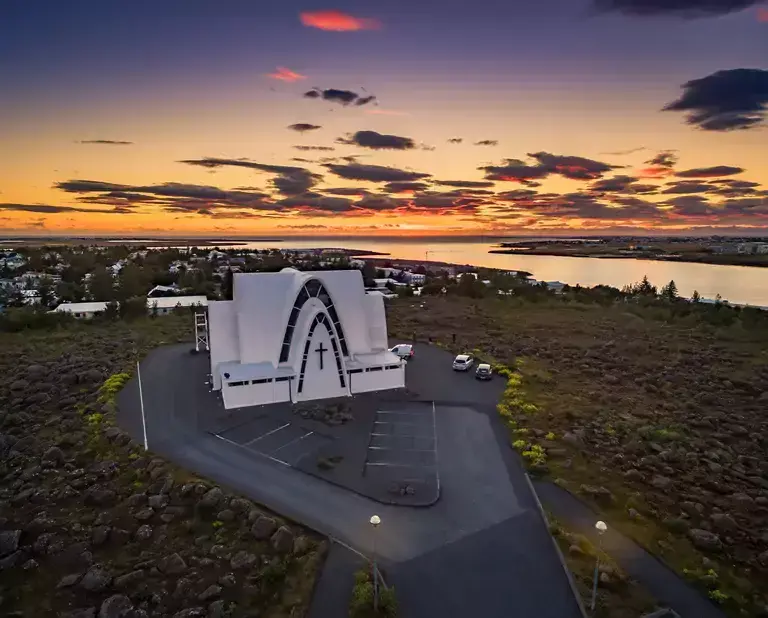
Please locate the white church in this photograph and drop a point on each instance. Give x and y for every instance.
(297, 336)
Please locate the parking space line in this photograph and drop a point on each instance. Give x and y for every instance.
(397, 465)
(395, 412)
(402, 450)
(292, 441)
(250, 450)
(392, 435)
(269, 433)
(399, 424)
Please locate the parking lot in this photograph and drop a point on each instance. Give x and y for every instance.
(282, 441)
(403, 446)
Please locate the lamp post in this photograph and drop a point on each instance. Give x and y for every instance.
(375, 521)
(601, 527)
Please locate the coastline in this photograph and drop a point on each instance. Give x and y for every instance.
(753, 262)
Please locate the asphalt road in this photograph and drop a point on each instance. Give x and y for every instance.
(486, 521)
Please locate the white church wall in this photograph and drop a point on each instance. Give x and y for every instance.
(346, 291)
(379, 379)
(223, 343)
(377, 321)
(261, 304)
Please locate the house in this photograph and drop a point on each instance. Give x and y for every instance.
(12, 261)
(752, 248)
(163, 306)
(384, 283)
(117, 267)
(359, 264)
(415, 278)
(31, 297)
(298, 336)
(216, 255)
(555, 286)
(163, 290)
(82, 310)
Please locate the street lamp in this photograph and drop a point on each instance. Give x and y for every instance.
(375, 521)
(601, 527)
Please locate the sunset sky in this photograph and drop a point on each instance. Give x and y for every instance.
(244, 117)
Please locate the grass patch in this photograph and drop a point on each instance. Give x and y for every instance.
(361, 604)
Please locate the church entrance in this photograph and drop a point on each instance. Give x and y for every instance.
(321, 372)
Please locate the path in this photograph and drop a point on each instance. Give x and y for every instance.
(663, 584)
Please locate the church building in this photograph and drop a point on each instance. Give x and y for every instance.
(296, 336)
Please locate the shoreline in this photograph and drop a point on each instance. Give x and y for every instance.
(612, 256)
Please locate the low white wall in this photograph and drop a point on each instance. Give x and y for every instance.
(253, 394)
(368, 381)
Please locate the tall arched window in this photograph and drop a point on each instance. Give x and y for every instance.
(311, 289)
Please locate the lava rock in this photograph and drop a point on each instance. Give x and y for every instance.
(9, 541)
(264, 527)
(97, 578)
(282, 540)
(116, 606)
(703, 539)
(173, 564)
(242, 560)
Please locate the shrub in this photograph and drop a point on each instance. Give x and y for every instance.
(718, 596)
(112, 385)
(361, 604)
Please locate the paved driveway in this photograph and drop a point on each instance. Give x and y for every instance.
(486, 519)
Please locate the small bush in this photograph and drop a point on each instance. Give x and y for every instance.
(361, 604)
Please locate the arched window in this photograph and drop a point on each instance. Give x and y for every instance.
(311, 289)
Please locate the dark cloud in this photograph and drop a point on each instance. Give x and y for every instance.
(378, 141)
(317, 202)
(575, 168)
(666, 158)
(465, 184)
(356, 191)
(320, 148)
(344, 97)
(401, 187)
(725, 100)
(733, 188)
(614, 184)
(516, 195)
(455, 140)
(710, 172)
(374, 173)
(679, 8)
(289, 180)
(690, 205)
(85, 186)
(687, 186)
(301, 127)
(378, 203)
(621, 153)
(487, 142)
(48, 209)
(105, 142)
(514, 170)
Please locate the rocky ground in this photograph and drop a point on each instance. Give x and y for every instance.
(90, 525)
(660, 421)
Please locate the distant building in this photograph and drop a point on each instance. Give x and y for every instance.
(415, 278)
(163, 290)
(82, 310)
(753, 248)
(166, 305)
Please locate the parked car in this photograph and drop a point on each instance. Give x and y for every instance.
(403, 350)
(463, 362)
(483, 372)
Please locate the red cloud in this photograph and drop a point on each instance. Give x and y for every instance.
(654, 172)
(286, 75)
(336, 21)
(762, 15)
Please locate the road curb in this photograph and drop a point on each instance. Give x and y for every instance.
(560, 556)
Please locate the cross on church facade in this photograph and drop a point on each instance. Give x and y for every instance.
(320, 350)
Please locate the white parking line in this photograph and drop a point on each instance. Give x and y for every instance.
(401, 424)
(397, 465)
(392, 435)
(269, 433)
(292, 441)
(275, 459)
(402, 450)
(406, 413)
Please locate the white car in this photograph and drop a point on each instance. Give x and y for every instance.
(403, 351)
(463, 362)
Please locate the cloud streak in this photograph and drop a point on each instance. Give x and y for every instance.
(106, 142)
(343, 97)
(284, 74)
(378, 141)
(337, 21)
(677, 8)
(303, 127)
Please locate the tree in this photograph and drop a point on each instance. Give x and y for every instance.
(227, 285)
(101, 287)
(130, 282)
(369, 274)
(45, 288)
(645, 288)
(669, 291)
(696, 298)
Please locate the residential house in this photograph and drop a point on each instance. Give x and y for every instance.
(163, 306)
(82, 310)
